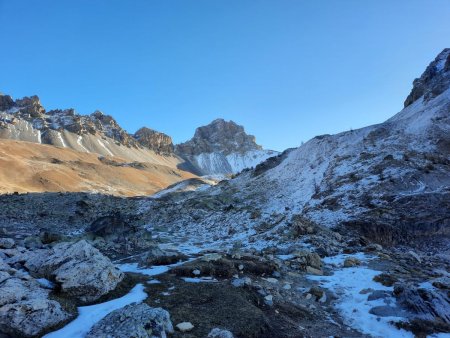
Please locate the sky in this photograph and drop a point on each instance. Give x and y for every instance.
(285, 70)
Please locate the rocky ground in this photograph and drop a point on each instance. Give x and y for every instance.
(95, 252)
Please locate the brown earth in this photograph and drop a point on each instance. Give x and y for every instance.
(31, 167)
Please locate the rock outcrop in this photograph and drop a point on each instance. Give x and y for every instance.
(219, 136)
(434, 81)
(135, 320)
(154, 140)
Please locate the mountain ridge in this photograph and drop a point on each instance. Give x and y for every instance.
(231, 149)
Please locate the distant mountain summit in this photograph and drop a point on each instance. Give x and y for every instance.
(219, 136)
(222, 147)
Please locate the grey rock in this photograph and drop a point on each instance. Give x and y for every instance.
(78, 268)
(135, 320)
(25, 309)
(426, 304)
(433, 81)
(6, 243)
(220, 333)
(154, 140)
(384, 311)
(378, 294)
(351, 261)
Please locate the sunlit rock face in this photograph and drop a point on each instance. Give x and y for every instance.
(222, 147)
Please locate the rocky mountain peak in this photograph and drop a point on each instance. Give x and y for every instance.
(152, 139)
(6, 102)
(30, 105)
(434, 80)
(219, 136)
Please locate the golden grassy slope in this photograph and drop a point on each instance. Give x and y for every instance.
(31, 167)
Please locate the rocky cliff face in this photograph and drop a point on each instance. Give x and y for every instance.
(219, 136)
(152, 139)
(222, 147)
(434, 81)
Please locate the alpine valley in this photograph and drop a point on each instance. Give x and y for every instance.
(104, 233)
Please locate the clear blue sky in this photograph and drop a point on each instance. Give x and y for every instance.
(286, 70)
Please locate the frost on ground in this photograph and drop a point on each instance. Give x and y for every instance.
(350, 285)
(133, 267)
(88, 316)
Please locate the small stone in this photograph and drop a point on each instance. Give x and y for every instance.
(6, 243)
(316, 291)
(287, 286)
(384, 311)
(415, 256)
(276, 274)
(373, 247)
(196, 272)
(241, 267)
(314, 271)
(272, 280)
(378, 294)
(351, 261)
(185, 326)
(219, 333)
(308, 296)
(268, 300)
(365, 291)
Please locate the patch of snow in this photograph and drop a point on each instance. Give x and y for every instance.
(133, 267)
(200, 280)
(79, 140)
(354, 307)
(103, 145)
(61, 140)
(88, 316)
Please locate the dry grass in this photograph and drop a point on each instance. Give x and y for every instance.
(30, 167)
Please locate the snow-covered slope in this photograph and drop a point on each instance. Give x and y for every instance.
(390, 181)
(219, 163)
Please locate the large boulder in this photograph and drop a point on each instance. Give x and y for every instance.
(135, 320)
(427, 303)
(79, 269)
(25, 310)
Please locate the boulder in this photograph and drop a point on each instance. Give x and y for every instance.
(25, 309)
(307, 258)
(135, 320)
(6, 243)
(79, 269)
(219, 333)
(428, 304)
